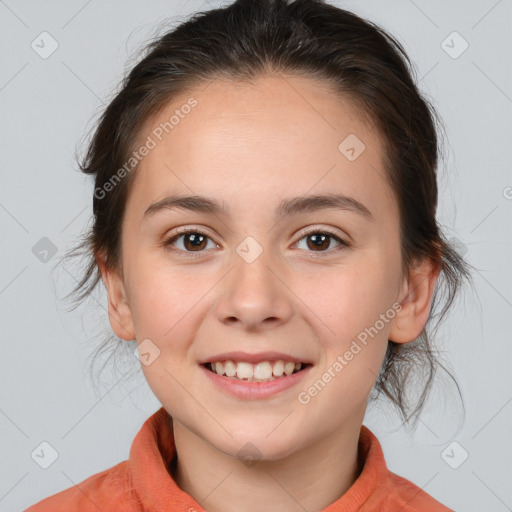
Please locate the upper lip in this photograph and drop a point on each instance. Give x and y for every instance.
(253, 358)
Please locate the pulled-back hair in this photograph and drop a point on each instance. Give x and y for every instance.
(244, 41)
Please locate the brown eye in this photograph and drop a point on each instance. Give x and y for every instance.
(319, 241)
(193, 241)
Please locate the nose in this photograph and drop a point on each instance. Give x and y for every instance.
(255, 295)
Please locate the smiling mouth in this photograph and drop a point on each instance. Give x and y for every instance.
(264, 371)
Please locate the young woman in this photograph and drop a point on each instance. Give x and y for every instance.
(265, 226)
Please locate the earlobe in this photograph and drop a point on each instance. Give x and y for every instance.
(415, 298)
(119, 311)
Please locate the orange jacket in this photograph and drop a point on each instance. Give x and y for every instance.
(143, 483)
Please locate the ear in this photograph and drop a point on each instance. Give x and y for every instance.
(415, 297)
(119, 311)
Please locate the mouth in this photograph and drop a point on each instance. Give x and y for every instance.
(264, 371)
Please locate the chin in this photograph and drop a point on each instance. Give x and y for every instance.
(257, 447)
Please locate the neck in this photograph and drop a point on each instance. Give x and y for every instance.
(310, 478)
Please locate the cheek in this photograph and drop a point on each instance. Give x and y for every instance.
(165, 310)
(354, 303)
(350, 298)
(162, 298)
(170, 303)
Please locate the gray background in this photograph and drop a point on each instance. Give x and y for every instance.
(47, 107)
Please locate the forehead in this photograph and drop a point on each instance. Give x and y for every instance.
(280, 136)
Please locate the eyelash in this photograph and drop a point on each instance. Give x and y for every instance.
(169, 241)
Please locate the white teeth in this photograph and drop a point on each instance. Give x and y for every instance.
(278, 368)
(244, 371)
(261, 372)
(229, 369)
(289, 367)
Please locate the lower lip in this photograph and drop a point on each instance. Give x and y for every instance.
(255, 390)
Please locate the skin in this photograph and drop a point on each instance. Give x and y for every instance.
(250, 146)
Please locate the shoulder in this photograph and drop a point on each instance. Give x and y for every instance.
(384, 490)
(411, 498)
(108, 490)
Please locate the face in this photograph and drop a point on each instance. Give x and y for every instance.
(257, 277)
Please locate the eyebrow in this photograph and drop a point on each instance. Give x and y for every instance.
(302, 204)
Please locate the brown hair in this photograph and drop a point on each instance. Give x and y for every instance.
(245, 40)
